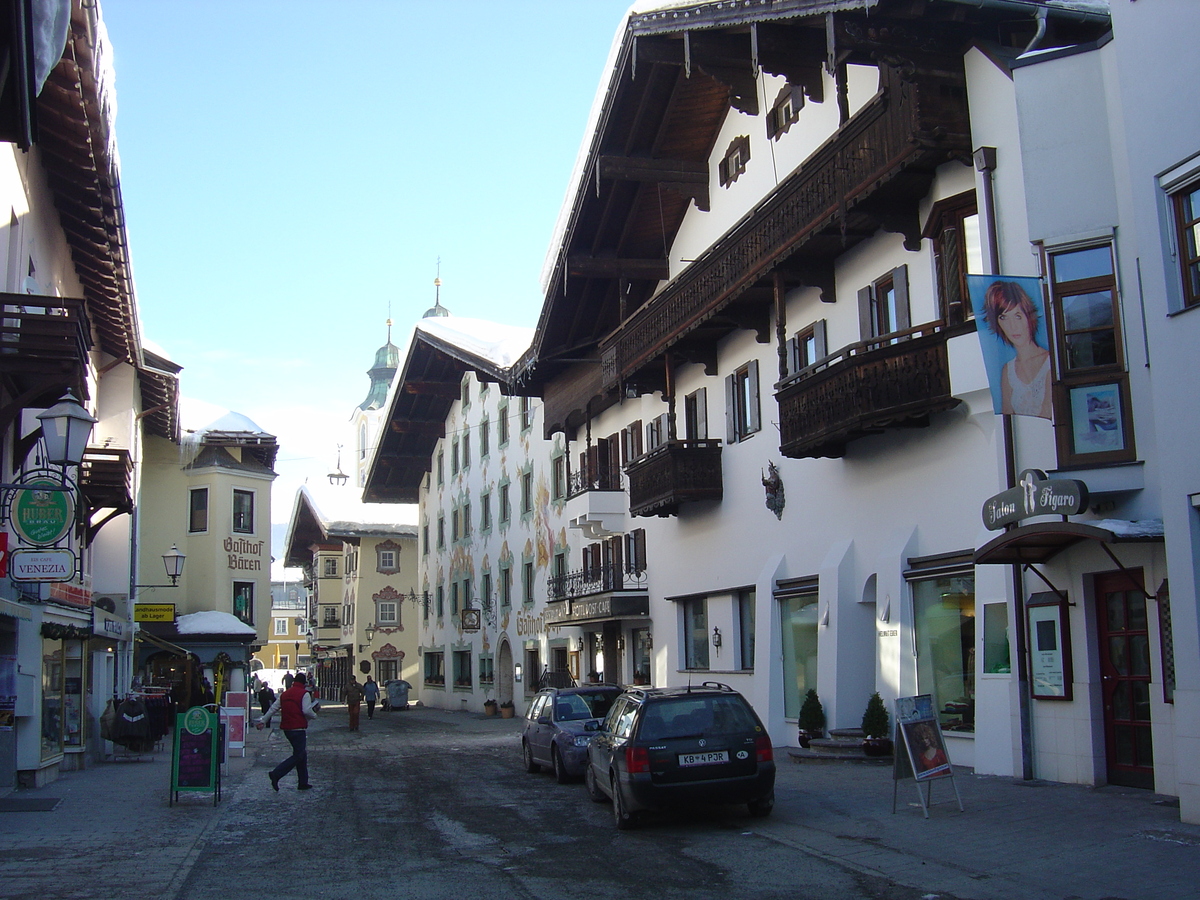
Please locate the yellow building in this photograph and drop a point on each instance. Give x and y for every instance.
(361, 562)
(209, 496)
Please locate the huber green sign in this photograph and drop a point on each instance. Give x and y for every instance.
(42, 516)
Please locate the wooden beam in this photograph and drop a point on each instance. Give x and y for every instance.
(433, 429)
(608, 267)
(444, 389)
(653, 171)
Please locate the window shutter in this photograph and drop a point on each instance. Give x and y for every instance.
(663, 426)
(866, 321)
(730, 411)
(639, 550)
(753, 417)
(900, 286)
(635, 439)
(820, 341)
(793, 356)
(701, 414)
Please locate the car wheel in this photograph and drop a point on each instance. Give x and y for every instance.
(560, 771)
(622, 816)
(762, 808)
(527, 751)
(592, 785)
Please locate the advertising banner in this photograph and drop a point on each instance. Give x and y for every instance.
(1010, 312)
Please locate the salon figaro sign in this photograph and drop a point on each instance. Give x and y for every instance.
(1035, 495)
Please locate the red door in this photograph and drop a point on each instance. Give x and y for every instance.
(1124, 637)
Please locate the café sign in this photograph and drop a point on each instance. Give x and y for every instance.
(42, 565)
(1035, 495)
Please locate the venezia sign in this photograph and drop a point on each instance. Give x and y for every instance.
(42, 512)
(42, 565)
(1035, 495)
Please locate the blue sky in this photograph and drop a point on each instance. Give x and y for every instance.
(290, 170)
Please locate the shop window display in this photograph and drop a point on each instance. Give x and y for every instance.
(944, 623)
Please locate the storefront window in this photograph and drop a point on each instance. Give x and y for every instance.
(798, 620)
(944, 623)
(695, 630)
(52, 698)
(641, 656)
(73, 694)
(996, 651)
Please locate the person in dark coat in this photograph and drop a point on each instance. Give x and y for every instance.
(266, 697)
(371, 695)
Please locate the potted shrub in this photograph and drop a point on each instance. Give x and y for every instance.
(812, 718)
(875, 725)
(489, 707)
(506, 709)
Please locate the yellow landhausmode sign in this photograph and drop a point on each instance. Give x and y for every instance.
(154, 612)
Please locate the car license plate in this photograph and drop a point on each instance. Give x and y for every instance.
(710, 758)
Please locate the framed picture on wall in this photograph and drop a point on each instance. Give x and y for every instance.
(1100, 430)
(1050, 674)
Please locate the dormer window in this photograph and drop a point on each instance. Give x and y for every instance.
(734, 162)
(785, 111)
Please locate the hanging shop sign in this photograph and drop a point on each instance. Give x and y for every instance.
(154, 612)
(1035, 495)
(42, 513)
(42, 565)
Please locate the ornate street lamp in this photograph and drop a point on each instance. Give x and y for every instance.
(66, 427)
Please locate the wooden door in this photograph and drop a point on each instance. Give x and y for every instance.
(1124, 636)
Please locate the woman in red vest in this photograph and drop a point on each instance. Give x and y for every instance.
(295, 708)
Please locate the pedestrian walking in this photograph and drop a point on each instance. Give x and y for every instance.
(371, 695)
(295, 708)
(353, 696)
(266, 697)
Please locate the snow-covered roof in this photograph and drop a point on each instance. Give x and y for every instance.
(343, 505)
(501, 345)
(212, 622)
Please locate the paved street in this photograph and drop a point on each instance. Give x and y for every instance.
(430, 804)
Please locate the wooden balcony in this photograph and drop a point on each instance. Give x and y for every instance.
(865, 389)
(672, 474)
(106, 478)
(43, 340)
(872, 173)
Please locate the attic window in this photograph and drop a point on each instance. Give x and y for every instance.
(734, 163)
(785, 111)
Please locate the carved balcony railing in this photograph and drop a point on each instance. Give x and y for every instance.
(596, 580)
(674, 473)
(598, 478)
(864, 389)
(885, 154)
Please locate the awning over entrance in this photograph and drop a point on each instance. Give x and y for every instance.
(603, 608)
(1042, 541)
(160, 643)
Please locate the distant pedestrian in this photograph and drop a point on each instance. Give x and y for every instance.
(353, 696)
(371, 695)
(295, 708)
(266, 697)
(288, 677)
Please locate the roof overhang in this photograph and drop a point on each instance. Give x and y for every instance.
(1042, 541)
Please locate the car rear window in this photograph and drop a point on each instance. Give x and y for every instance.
(592, 705)
(689, 716)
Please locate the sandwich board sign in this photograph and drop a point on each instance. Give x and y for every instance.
(195, 760)
(920, 749)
